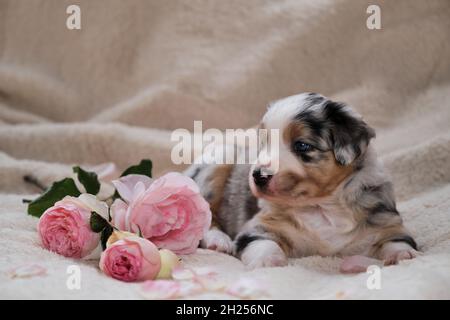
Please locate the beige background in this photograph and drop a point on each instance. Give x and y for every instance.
(113, 90)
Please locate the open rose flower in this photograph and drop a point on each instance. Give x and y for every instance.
(131, 259)
(169, 211)
(65, 228)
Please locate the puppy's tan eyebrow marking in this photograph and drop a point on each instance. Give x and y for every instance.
(297, 131)
(293, 131)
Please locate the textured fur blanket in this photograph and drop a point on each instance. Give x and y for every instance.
(114, 90)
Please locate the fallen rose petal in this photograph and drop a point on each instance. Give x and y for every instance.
(160, 289)
(27, 271)
(210, 283)
(357, 264)
(205, 271)
(247, 288)
(183, 273)
(188, 288)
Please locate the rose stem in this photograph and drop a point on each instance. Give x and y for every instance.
(35, 182)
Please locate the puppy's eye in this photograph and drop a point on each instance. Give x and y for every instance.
(301, 147)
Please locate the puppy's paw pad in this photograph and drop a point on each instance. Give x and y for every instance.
(218, 241)
(263, 254)
(396, 257)
(273, 261)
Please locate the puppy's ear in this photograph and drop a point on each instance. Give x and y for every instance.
(350, 135)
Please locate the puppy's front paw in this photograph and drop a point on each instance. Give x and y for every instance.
(263, 253)
(395, 257)
(393, 252)
(217, 240)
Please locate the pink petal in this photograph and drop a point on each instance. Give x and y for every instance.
(119, 212)
(105, 171)
(160, 289)
(247, 288)
(189, 288)
(210, 283)
(177, 180)
(27, 271)
(357, 264)
(183, 273)
(205, 271)
(203, 277)
(126, 185)
(169, 289)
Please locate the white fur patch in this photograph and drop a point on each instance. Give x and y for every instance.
(331, 226)
(217, 240)
(282, 111)
(263, 253)
(279, 116)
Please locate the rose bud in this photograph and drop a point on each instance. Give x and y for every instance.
(65, 227)
(131, 259)
(169, 211)
(169, 261)
(118, 235)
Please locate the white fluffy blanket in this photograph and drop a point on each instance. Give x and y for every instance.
(115, 89)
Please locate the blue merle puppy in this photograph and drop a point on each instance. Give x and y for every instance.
(329, 195)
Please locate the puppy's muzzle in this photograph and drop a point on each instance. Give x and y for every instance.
(261, 180)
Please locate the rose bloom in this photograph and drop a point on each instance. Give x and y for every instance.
(169, 211)
(65, 227)
(131, 259)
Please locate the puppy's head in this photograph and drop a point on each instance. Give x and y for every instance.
(320, 144)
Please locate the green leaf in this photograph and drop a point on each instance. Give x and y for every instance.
(56, 192)
(144, 168)
(97, 222)
(88, 179)
(105, 235)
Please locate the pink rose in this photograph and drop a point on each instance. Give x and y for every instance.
(65, 228)
(169, 211)
(131, 259)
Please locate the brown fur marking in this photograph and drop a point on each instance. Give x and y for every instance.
(218, 181)
(384, 236)
(322, 177)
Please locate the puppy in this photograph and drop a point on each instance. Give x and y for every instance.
(329, 196)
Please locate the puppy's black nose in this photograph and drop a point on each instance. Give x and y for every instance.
(260, 180)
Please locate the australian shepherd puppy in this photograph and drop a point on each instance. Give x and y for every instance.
(329, 195)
